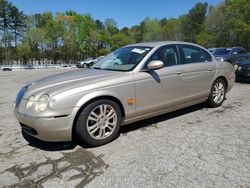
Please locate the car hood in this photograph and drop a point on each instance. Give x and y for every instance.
(69, 80)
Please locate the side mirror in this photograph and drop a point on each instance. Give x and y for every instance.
(235, 53)
(155, 64)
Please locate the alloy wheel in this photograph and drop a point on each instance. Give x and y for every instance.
(102, 121)
(218, 92)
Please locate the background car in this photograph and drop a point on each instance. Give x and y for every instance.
(243, 70)
(211, 50)
(231, 55)
(133, 83)
(6, 69)
(81, 64)
(88, 62)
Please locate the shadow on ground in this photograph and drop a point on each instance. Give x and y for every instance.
(242, 80)
(155, 120)
(48, 146)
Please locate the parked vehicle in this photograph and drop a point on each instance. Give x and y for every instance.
(88, 62)
(212, 50)
(6, 69)
(81, 64)
(135, 82)
(243, 70)
(231, 55)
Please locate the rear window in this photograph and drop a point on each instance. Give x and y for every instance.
(222, 51)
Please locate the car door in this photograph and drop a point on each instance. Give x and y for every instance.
(163, 88)
(238, 54)
(198, 71)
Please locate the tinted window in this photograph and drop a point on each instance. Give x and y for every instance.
(194, 54)
(208, 57)
(168, 54)
(222, 51)
(242, 51)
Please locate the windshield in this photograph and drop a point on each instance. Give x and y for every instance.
(90, 58)
(123, 59)
(222, 51)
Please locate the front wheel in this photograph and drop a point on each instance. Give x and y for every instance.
(98, 123)
(217, 93)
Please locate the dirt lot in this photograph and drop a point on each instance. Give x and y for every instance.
(194, 147)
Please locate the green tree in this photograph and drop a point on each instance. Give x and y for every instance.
(24, 52)
(17, 23)
(85, 35)
(111, 26)
(170, 29)
(216, 25)
(5, 24)
(152, 30)
(238, 14)
(118, 40)
(53, 33)
(193, 22)
(35, 38)
(136, 33)
(69, 44)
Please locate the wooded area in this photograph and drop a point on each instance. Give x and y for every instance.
(69, 36)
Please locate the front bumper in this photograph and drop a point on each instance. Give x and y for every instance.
(52, 129)
(230, 83)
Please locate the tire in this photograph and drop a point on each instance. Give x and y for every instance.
(95, 128)
(217, 94)
(90, 64)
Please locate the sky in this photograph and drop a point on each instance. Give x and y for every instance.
(126, 13)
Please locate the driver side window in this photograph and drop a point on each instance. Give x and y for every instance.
(167, 54)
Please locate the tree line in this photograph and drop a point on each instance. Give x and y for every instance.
(69, 36)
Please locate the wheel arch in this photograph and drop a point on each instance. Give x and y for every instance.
(224, 79)
(89, 101)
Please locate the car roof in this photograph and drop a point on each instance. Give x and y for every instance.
(159, 43)
(224, 48)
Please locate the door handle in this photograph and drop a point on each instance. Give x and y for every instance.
(178, 73)
(210, 70)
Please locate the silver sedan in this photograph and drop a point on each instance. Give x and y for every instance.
(135, 82)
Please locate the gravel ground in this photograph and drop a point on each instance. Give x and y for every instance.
(194, 147)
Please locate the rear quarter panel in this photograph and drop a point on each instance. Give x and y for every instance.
(226, 70)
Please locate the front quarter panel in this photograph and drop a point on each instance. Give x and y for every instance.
(121, 88)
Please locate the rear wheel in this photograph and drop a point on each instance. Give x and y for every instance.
(98, 123)
(217, 93)
(90, 64)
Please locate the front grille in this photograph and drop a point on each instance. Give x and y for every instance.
(28, 129)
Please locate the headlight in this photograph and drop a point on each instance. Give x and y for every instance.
(42, 103)
(239, 68)
(30, 102)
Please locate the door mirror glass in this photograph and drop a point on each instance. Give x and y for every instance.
(155, 64)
